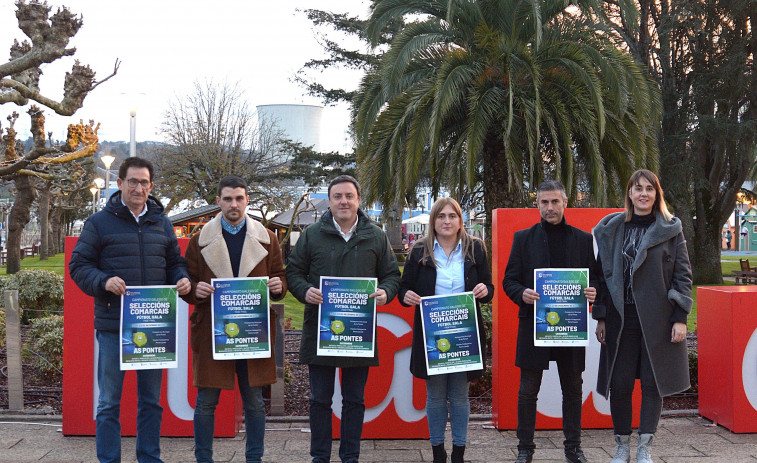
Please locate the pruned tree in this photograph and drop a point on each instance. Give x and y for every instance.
(81, 142)
(60, 181)
(48, 37)
(48, 41)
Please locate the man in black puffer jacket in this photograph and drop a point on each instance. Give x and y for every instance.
(129, 243)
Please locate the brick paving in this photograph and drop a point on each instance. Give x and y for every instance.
(679, 440)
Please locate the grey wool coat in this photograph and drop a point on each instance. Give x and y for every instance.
(661, 279)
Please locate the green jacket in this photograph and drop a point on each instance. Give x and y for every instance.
(321, 251)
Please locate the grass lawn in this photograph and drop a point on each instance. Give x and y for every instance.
(54, 264)
(294, 309)
(729, 263)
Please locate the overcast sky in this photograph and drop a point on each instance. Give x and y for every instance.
(166, 45)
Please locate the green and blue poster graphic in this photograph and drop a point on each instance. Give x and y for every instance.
(450, 333)
(347, 317)
(561, 315)
(148, 328)
(240, 310)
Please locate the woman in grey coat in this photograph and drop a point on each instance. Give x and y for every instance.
(643, 300)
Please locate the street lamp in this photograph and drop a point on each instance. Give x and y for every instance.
(94, 191)
(134, 99)
(100, 184)
(737, 225)
(108, 161)
(133, 133)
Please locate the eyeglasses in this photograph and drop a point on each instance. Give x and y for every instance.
(133, 183)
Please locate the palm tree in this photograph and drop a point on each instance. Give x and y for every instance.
(506, 92)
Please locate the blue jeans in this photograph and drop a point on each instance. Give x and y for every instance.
(353, 409)
(452, 387)
(149, 412)
(254, 418)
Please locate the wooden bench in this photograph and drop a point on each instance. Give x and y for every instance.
(747, 275)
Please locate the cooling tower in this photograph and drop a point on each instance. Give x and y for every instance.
(300, 123)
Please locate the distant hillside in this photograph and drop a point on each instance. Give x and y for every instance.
(120, 149)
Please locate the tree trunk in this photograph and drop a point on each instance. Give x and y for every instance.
(53, 240)
(394, 224)
(498, 193)
(44, 221)
(708, 269)
(19, 217)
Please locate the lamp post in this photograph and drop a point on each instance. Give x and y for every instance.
(133, 133)
(99, 184)
(108, 161)
(94, 190)
(736, 225)
(134, 98)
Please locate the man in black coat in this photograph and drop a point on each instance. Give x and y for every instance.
(551, 243)
(129, 243)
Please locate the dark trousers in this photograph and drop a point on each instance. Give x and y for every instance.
(632, 357)
(530, 383)
(353, 408)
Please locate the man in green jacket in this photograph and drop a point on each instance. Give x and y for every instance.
(344, 243)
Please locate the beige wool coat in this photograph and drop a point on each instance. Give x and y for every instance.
(208, 257)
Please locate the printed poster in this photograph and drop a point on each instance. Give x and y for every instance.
(450, 333)
(240, 309)
(561, 315)
(148, 328)
(347, 317)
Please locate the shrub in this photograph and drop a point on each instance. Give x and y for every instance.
(45, 346)
(694, 370)
(486, 317)
(40, 292)
(482, 386)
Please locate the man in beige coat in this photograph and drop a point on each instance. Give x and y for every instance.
(231, 245)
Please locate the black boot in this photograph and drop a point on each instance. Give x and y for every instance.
(457, 453)
(440, 455)
(525, 456)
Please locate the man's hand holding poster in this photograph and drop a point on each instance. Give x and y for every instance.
(561, 315)
(347, 317)
(148, 328)
(241, 318)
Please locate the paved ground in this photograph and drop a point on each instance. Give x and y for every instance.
(679, 440)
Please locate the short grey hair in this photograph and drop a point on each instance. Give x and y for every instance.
(551, 185)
